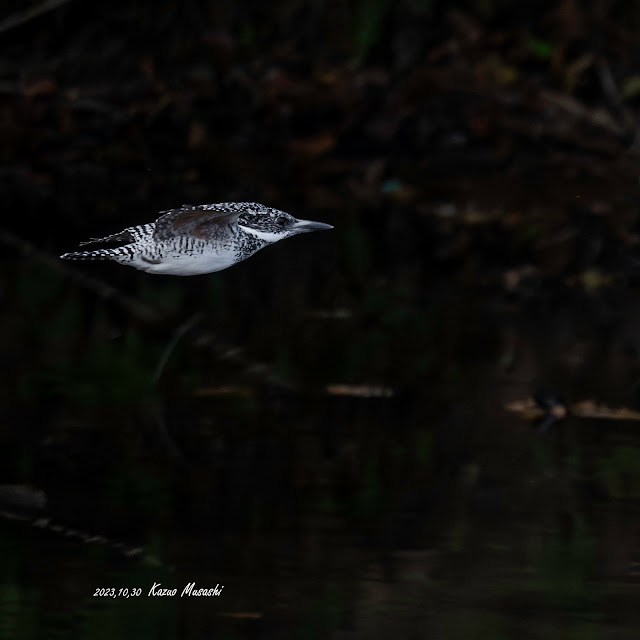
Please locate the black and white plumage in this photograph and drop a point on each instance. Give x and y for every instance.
(199, 239)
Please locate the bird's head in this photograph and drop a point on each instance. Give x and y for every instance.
(271, 225)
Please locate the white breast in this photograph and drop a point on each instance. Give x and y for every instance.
(186, 264)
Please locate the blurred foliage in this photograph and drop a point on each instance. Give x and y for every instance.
(620, 471)
(111, 374)
(368, 25)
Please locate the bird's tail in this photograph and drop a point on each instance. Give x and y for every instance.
(120, 254)
(123, 236)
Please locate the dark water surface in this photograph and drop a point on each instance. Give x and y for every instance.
(369, 481)
(419, 425)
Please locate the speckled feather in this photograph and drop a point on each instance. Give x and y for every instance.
(199, 239)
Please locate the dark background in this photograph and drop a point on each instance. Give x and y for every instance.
(421, 424)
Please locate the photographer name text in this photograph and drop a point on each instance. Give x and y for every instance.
(190, 590)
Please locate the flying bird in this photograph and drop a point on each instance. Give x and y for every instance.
(199, 239)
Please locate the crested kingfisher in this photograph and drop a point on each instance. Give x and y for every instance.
(193, 240)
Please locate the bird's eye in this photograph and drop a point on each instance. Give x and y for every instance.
(281, 221)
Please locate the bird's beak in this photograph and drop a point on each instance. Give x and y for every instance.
(302, 226)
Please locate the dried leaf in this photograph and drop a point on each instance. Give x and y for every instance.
(589, 409)
(41, 88)
(197, 134)
(359, 390)
(529, 409)
(315, 146)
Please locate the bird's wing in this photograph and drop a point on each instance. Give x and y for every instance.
(206, 224)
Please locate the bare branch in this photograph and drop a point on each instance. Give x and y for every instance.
(18, 19)
(178, 333)
(136, 308)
